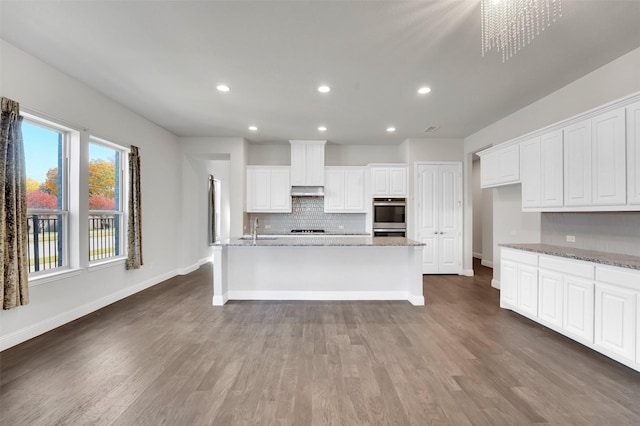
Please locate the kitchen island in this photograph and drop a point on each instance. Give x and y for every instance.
(318, 268)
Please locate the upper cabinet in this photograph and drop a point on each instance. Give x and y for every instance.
(594, 161)
(633, 153)
(590, 162)
(344, 190)
(541, 171)
(307, 163)
(268, 189)
(500, 166)
(388, 180)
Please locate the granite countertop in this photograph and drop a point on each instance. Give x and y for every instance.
(322, 241)
(613, 259)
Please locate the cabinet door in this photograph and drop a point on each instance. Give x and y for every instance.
(334, 196)
(354, 190)
(577, 164)
(633, 153)
(298, 164)
(615, 320)
(428, 232)
(509, 164)
(380, 181)
(550, 298)
(398, 181)
(578, 308)
(527, 290)
(258, 190)
(280, 191)
(315, 165)
(508, 284)
(488, 170)
(530, 172)
(608, 142)
(551, 154)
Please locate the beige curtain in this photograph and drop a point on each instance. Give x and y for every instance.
(134, 231)
(13, 209)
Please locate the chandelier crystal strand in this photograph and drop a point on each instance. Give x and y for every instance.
(509, 25)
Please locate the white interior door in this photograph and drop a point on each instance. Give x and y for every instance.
(440, 217)
(450, 219)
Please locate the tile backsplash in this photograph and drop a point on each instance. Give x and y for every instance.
(308, 213)
(612, 232)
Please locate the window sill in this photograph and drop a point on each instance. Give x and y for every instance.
(102, 264)
(53, 276)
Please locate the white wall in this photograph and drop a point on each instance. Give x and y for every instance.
(39, 87)
(477, 210)
(606, 84)
(273, 154)
(196, 153)
(360, 155)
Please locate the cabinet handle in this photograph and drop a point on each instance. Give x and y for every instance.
(435, 232)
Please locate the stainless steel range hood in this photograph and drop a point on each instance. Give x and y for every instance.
(307, 191)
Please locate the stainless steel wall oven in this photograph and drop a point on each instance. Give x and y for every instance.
(389, 217)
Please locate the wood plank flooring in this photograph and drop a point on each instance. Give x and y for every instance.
(166, 356)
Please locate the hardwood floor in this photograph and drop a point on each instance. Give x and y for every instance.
(166, 356)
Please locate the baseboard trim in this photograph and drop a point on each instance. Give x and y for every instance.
(189, 269)
(487, 263)
(467, 272)
(320, 295)
(477, 255)
(495, 284)
(26, 333)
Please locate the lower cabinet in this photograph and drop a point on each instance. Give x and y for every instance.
(595, 305)
(617, 296)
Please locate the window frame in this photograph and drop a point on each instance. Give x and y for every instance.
(123, 195)
(64, 212)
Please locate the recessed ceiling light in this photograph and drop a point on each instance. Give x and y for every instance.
(222, 88)
(324, 89)
(424, 90)
(322, 128)
(253, 128)
(391, 129)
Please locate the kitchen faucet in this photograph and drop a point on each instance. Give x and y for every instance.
(254, 231)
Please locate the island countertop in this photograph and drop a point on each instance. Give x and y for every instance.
(320, 241)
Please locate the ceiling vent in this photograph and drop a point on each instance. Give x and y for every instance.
(431, 129)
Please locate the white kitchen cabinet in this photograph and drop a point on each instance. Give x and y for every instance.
(550, 298)
(389, 180)
(519, 282)
(578, 299)
(268, 189)
(633, 153)
(608, 143)
(541, 171)
(508, 284)
(344, 190)
(594, 161)
(577, 164)
(499, 166)
(528, 290)
(307, 163)
(439, 217)
(617, 293)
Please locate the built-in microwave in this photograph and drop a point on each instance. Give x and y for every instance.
(389, 216)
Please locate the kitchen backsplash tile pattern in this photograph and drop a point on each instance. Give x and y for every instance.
(308, 213)
(612, 232)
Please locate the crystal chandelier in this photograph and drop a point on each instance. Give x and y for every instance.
(509, 25)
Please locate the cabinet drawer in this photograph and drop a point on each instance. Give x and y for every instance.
(520, 256)
(619, 276)
(573, 267)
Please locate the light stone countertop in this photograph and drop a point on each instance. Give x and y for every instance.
(612, 259)
(321, 241)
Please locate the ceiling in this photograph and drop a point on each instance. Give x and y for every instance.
(164, 59)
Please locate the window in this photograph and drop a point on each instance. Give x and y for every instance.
(46, 163)
(106, 214)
